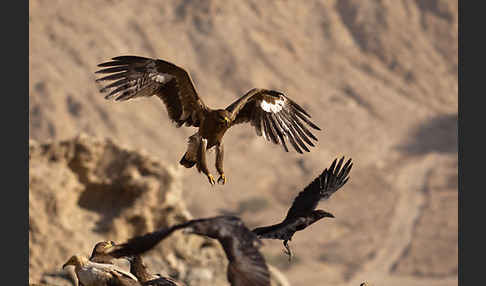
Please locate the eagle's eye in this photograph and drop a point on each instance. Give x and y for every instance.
(222, 118)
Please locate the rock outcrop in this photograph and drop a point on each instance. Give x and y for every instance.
(85, 190)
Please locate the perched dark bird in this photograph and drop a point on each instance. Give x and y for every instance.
(99, 253)
(274, 115)
(100, 274)
(302, 213)
(246, 265)
(138, 268)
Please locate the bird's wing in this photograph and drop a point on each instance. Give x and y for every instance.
(246, 265)
(326, 184)
(140, 244)
(161, 281)
(271, 231)
(120, 280)
(274, 116)
(113, 269)
(135, 76)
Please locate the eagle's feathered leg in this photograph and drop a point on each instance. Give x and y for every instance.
(202, 165)
(219, 163)
(191, 156)
(287, 249)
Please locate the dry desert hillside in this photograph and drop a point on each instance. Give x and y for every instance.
(379, 77)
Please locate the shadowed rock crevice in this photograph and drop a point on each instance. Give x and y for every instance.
(438, 134)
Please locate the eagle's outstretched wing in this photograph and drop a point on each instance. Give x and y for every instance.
(135, 76)
(274, 116)
(326, 184)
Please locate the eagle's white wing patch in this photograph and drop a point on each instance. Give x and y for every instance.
(161, 77)
(272, 107)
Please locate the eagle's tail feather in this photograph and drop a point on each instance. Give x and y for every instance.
(186, 162)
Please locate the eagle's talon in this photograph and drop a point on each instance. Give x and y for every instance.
(211, 179)
(222, 179)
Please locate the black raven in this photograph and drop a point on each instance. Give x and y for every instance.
(246, 264)
(302, 213)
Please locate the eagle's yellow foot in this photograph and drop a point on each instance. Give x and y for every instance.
(222, 179)
(211, 179)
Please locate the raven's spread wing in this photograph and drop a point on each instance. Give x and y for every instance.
(274, 116)
(135, 76)
(249, 268)
(140, 244)
(247, 265)
(326, 184)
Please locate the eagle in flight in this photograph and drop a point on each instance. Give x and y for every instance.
(272, 114)
(302, 213)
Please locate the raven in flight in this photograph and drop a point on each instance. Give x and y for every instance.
(302, 213)
(273, 114)
(246, 264)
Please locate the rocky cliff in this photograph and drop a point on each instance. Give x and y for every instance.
(85, 190)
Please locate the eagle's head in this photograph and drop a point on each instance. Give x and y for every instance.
(102, 247)
(223, 117)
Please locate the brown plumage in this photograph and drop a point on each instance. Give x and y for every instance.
(246, 267)
(302, 213)
(101, 254)
(100, 274)
(274, 116)
(139, 269)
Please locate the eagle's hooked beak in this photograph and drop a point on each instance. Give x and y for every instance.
(109, 244)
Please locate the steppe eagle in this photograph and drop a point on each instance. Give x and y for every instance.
(101, 254)
(100, 274)
(273, 115)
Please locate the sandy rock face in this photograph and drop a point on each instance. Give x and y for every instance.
(85, 190)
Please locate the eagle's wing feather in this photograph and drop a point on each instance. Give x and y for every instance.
(142, 77)
(275, 117)
(323, 186)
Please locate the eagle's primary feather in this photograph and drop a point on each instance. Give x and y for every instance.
(273, 115)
